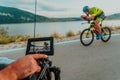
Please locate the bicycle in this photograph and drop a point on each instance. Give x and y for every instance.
(87, 35)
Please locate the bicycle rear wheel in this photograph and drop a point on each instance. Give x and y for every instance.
(86, 37)
(106, 32)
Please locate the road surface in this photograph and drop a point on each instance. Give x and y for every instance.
(99, 61)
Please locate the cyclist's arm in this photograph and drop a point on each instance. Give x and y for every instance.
(87, 17)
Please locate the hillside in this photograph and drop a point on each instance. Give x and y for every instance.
(114, 16)
(14, 15)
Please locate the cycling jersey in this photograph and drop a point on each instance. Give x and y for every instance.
(97, 13)
(94, 11)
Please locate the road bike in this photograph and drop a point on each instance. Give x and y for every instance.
(87, 36)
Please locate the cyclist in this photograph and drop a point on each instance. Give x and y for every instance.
(46, 47)
(95, 14)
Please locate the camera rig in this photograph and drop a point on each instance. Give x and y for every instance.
(44, 46)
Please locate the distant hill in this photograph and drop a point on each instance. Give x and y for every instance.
(14, 15)
(114, 16)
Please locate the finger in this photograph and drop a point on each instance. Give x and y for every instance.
(29, 72)
(39, 56)
(38, 68)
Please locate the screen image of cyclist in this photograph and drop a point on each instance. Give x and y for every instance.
(40, 46)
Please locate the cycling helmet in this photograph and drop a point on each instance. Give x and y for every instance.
(45, 43)
(86, 8)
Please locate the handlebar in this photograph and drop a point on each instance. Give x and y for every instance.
(89, 22)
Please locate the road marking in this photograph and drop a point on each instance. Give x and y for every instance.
(12, 50)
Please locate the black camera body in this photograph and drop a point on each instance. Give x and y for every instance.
(43, 46)
(40, 45)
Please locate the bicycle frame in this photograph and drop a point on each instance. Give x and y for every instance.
(92, 29)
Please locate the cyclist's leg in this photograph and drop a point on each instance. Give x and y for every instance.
(99, 19)
(97, 25)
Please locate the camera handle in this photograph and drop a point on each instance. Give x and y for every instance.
(45, 65)
(46, 71)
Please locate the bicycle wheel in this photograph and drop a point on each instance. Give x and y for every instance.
(55, 73)
(106, 32)
(86, 37)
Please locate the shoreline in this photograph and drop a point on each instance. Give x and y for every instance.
(57, 43)
(22, 44)
(20, 41)
(16, 45)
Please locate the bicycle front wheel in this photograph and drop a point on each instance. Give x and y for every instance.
(86, 37)
(106, 32)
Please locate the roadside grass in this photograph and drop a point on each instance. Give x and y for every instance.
(56, 35)
(70, 34)
(5, 38)
(115, 29)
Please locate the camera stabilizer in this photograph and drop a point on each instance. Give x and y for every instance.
(47, 70)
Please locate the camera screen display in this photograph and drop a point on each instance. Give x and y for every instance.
(40, 45)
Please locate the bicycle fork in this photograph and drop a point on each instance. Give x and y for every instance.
(89, 32)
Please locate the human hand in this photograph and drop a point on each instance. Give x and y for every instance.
(82, 16)
(24, 67)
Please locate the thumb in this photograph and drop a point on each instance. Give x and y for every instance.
(38, 69)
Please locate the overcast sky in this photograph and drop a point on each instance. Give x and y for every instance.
(63, 8)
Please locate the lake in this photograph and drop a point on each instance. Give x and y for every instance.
(47, 29)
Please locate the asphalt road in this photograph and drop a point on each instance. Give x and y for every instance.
(99, 61)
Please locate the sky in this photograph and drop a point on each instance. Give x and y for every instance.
(63, 8)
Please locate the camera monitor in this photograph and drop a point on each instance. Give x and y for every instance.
(40, 45)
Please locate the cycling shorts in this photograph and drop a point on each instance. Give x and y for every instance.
(100, 17)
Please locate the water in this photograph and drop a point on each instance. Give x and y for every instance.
(47, 29)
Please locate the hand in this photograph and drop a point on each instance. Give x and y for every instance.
(83, 16)
(24, 67)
